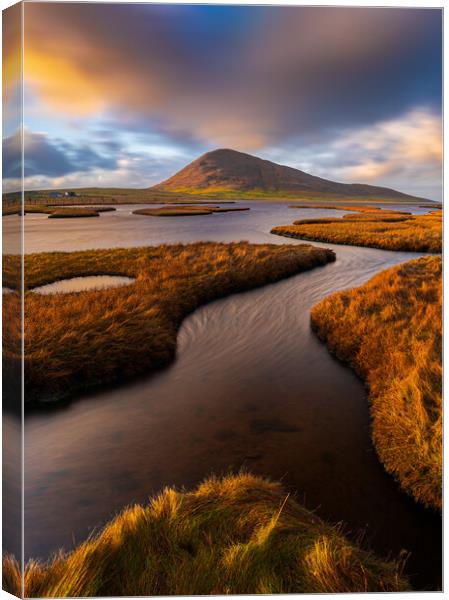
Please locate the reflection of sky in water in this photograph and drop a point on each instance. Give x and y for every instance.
(121, 228)
(80, 284)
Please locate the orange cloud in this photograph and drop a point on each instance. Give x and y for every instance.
(64, 84)
(12, 52)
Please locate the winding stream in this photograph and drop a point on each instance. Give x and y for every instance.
(251, 387)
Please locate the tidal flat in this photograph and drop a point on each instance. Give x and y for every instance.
(303, 428)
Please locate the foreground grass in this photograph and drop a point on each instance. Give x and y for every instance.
(373, 227)
(389, 330)
(80, 340)
(237, 535)
(183, 211)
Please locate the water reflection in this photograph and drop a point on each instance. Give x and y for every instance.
(81, 284)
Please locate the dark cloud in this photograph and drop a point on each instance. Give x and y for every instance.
(43, 156)
(12, 156)
(240, 76)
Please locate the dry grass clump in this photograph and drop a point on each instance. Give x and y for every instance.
(389, 330)
(183, 211)
(79, 340)
(373, 227)
(236, 535)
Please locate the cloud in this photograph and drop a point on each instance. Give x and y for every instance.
(245, 77)
(138, 90)
(404, 153)
(130, 172)
(12, 68)
(396, 145)
(45, 157)
(53, 163)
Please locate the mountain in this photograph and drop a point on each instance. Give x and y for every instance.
(231, 171)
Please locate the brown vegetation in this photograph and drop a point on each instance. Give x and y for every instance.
(389, 330)
(237, 535)
(66, 213)
(57, 212)
(373, 227)
(183, 211)
(336, 206)
(79, 340)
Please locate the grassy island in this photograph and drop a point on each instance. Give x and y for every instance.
(80, 340)
(389, 331)
(73, 213)
(58, 212)
(184, 210)
(373, 227)
(236, 535)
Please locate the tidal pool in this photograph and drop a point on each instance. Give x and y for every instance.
(82, 284)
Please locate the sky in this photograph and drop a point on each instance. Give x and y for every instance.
(124, 95)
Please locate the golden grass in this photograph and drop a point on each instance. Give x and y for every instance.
(373, 227)
(183, 211)
(389, 331)
(236, 535)
(79, 340)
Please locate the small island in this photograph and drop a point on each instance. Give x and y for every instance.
(372, 227)
(71, 212)
(184, 210)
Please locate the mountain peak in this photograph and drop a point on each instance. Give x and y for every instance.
(225, 169)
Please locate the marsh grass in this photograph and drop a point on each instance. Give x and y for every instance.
(389, 331)
(77, 341)
(373, 227)
(236, 535)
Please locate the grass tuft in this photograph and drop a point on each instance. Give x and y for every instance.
(236, 535)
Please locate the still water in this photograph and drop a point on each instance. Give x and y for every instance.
(251, 387)
(82, 284)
